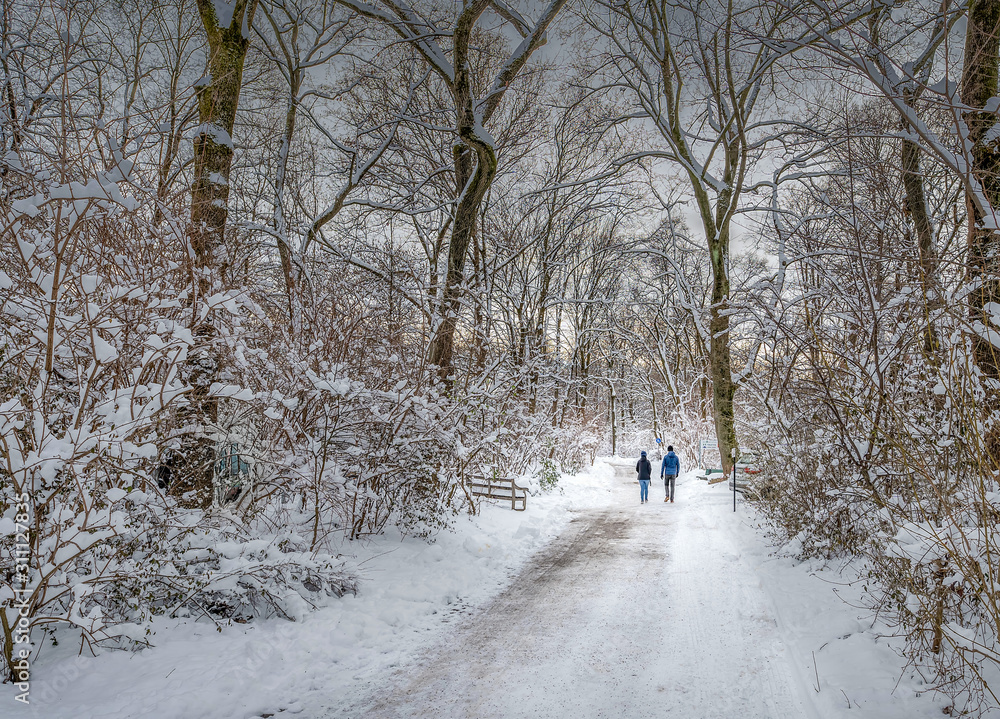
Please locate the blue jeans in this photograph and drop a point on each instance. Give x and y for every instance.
(643, 490)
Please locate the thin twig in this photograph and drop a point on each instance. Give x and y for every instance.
(816, 671)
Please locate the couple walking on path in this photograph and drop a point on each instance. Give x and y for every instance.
(669, 470)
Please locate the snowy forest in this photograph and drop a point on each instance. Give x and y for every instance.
(280, 273)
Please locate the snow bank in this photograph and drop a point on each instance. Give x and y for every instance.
(410, 591)
(837, 646)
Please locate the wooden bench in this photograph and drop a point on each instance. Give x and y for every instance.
(505, 488)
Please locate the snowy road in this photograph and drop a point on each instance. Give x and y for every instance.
(634, 611)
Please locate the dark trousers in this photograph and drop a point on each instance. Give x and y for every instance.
(668, 485)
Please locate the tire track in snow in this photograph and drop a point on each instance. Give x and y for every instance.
(635, 610)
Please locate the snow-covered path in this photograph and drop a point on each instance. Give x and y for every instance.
(586, 605)
(634, 611)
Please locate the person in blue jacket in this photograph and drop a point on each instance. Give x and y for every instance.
(669, 470)
(645, 470)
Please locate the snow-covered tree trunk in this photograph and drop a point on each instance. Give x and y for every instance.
(471, 185)
(227, 25)
(720, 360)
(218, 99)
(280, 216)
(471, 115)
(978, 92)
(916, 206)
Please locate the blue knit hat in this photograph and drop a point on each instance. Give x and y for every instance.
(643, 454)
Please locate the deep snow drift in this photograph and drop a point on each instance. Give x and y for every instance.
(706, 582)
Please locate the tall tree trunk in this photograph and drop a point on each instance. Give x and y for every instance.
(720, 363)
(213, 145)
(280, 221)
(213, 159)
(979, 85)
(716, 224)
(472, 186)
(480, 327)
(916, 207)
(471, 117)
(717, 230)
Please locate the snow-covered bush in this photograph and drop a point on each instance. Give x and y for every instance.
(547, 474)
(887, 473)
(870, 407)
(94, 340)
(97, 305)
(90, 349)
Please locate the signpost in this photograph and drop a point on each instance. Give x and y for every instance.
(732, 453)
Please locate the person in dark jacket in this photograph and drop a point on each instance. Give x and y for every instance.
(669, 470)
(645, 469)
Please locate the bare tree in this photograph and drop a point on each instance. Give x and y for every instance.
(302, 40)
(698, 73)
(475, 159)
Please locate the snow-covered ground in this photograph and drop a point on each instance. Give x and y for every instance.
(418, 598)
(841, 652)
